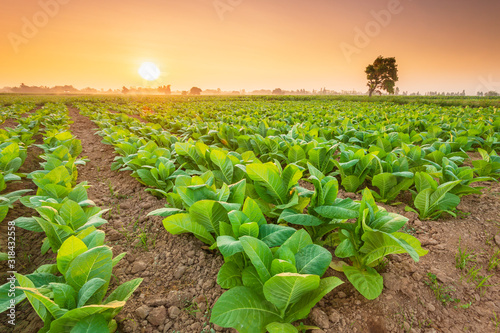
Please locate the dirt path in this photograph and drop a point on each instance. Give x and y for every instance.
(179, 277)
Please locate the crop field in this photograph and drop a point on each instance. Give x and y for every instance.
(249, 214)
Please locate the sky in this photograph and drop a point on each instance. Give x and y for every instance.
(446, 45)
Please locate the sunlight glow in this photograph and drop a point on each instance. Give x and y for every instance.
(149, 71)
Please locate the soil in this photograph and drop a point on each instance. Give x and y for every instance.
(180, 287)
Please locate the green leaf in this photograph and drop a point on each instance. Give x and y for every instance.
(378, 244)
(275, 235)
(119, 257)
(64, 295)
(28, 223)
(343, 209)
(86, 293)
(251, 278)
(208, 213)
(260, 255)
(229, 276)
(51, 306)
(301, 309)
(73, 214)
(95, 263)
(249, 229)
(92, 324)
(293, 217)
(221, 160)
(287, 288)
(268, 175)
(366, 280)
(70, 249)
(252, 211)
(281, 328)
(71, 318)
(37, 305)
(282, 266)
(244, 310)
(422, 202)
(124, 291)
(229, 246)
(313, 259)
(181, 223)
(298, 240)
(388, 222)
(385, 182)
(165, 212)
(291, 175)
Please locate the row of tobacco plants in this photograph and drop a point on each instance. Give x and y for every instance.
(233, 182)
(70, 294)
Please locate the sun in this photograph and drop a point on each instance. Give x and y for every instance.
(149, 71)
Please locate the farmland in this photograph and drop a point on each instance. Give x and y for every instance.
(250, 213)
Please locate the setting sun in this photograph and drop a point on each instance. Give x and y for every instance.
(149, 71)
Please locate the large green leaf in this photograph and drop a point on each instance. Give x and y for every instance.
(37, 305)
(378, 244)
(88, 290)
(244, 310)
(282, 266)
(293, 217)
(287, 288)
(260, 255)
(251, 278)
(209, 214)
(301, 309)
(268, 175)
(50, 305)
(95, 263)
(229, 276)
(181, 223)
(366, 280)
(92, 324)
(275, 235)
(385, 182)
(70, 249)
(228, 245)
(343, 209)
(422, 202)
(298, 240)
(387, 222)
(313, 259)
(252, 211)
(221, 160)
(73, 214)
(64, 295)
(71, 318)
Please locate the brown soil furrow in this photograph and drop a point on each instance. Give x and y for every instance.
(179, 276)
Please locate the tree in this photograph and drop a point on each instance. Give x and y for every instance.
(195, 91)
(165, 90)
(382, 75)
(125, 90)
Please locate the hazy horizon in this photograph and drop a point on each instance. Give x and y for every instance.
(444, 46)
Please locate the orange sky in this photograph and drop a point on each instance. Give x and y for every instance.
(445, 45)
